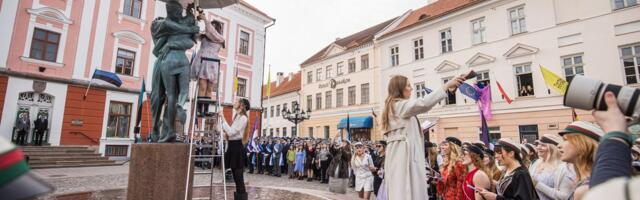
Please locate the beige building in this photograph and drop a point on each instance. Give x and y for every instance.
(340, 80)
(285, 94)
(506, 41)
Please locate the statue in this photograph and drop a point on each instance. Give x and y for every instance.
(172, 36)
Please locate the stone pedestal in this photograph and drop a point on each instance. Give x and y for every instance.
(159, 171)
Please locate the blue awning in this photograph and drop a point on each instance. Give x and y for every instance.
(356, 122)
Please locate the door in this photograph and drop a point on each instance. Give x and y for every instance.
(35, 105)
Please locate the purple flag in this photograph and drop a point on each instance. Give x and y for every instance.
(485, 130)
(470, 91)
(484, 101)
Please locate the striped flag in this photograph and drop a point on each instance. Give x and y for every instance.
(109, 77)
(504, 94)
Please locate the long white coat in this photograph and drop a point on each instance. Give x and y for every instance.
(405, 173)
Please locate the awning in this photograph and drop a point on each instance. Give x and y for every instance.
(356, 122)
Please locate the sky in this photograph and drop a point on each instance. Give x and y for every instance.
(304, 27)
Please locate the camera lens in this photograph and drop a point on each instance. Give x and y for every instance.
(584, 93)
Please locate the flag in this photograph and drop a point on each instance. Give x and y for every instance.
(504, 94)
(235, 83)
(485, 130)
(555, 82)
(574, 115)
(484, 101)
(252, 141)
(109, 77)
(469, 91)
(427, 90)
(269, 82)
(348, 128)
(140, 103)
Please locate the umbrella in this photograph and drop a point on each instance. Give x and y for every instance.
(207, 4)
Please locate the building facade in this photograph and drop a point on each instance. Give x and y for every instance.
(340, 81)
(284, 94)
(507, 41)
(49, 50)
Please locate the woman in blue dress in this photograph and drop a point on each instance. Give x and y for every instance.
(300, 156)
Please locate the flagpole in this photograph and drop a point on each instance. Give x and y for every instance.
(90, 81)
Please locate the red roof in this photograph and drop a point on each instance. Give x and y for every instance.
(432, 11)
(285, 86)
(351, 41)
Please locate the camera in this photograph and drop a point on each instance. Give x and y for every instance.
(585, 93)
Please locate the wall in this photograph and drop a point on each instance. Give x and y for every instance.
(89, 110)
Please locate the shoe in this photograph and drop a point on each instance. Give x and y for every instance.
(240, 196)
(309, 180)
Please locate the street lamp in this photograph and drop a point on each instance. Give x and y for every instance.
(295, 115)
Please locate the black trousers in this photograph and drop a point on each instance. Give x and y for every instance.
(324, 166)
(238, 178)
(39, 137)
(22, 137)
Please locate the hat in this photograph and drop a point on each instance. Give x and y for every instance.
(532, 149)
(551, 139)
(506, 142)
(357, 143)
(635, 149)
(490, 152)
(479, 144)
(475, 149)
(588, 129)
(17, 181)
(430, 144)
(523, 148)
(454, 140)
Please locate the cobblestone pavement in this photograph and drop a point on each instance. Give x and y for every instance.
(73, 180)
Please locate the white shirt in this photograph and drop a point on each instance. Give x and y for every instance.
(235, 131)
(361, 166)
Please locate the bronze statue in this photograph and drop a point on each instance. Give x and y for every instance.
(172, 36)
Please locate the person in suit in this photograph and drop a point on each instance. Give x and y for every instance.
(41, 125)
(23, 125)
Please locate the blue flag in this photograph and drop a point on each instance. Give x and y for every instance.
(109, 77)
(427, 90)
(348, 128)
(469, 91)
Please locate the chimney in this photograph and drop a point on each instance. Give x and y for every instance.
(279, 78)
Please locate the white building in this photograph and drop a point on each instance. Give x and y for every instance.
(507, 41)
(285, 92)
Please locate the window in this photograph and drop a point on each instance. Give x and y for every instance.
(284, 106)
(309, 102)
(244, 43)
(319, 74)
(311, 132)
(309, 77)
(364, 93)
(477, 27)
(271, 132)
(395, 56)
(483, 79)
(517, 20)
(352, 96)
(328, 75)
(294, 131)
(242, 87)
(528, 132)
(277, 131)
(352, 65)
(451, 96)
(278, 111)
(132, 8)
(119, 119)
(494, 134)
(284, 131)
(524, 79)
(265, 113)
(326, 132)
(418, 50)
(364, 62)
(618, 4)
(318, 101)
(44, 45)
(631, 62)
(264, 131)
(446, 41)
(272, 111)
(339, 68)
(572, 65)
(339, 97)
(327, 99)
(125, 61)
(420, 89)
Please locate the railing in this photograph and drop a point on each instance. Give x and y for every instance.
(94, 141)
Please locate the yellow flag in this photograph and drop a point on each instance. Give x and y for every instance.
(235, 82)
(269, 82)
(554, 81)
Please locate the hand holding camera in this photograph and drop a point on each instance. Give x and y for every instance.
(611, 119)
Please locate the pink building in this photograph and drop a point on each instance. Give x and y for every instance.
(50, 48)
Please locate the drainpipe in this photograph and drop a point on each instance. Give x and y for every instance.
(264, 48)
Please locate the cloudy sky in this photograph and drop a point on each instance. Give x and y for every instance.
(304, 27)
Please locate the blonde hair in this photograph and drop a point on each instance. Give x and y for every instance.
(587, 148)
(553, 156)
(453, 156)
(395, 91)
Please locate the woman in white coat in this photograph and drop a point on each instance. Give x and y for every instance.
(552, 178)
(405, 173)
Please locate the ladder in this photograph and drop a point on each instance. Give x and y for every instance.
(218, 145)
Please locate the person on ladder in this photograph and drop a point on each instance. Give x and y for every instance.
(206, 64)
(237, 135)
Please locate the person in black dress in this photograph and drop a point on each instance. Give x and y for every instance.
(378, 163)
(237, 135)
(516, 182)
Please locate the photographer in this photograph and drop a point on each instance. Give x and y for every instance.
(612, 168)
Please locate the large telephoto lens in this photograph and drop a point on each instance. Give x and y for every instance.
(587, 94)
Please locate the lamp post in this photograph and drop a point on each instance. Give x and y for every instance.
(295, 115)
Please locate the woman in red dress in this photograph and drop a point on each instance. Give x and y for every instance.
(453, 171)
(477, 176)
